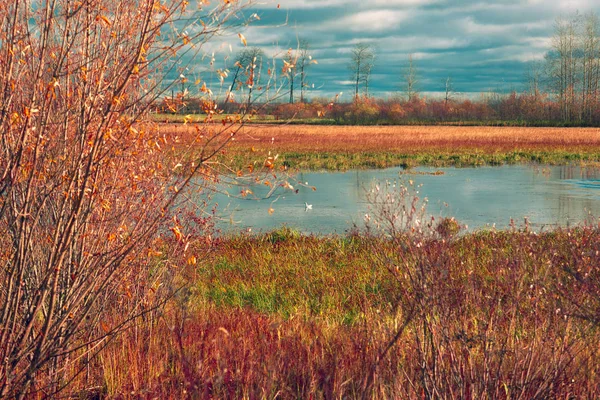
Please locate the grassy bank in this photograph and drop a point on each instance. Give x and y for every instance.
(339, 161)
(487, 315)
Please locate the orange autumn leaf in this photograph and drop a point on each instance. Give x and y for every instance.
(104, 327)
(177, 232)
(102, 18)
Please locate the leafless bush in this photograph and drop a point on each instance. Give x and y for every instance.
(395, 208)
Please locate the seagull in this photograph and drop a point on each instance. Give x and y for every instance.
(307, 206)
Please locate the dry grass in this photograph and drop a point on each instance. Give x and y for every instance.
(406, 139)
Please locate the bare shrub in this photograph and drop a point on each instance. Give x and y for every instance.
(394, 208)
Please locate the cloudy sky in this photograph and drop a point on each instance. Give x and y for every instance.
(481, 45)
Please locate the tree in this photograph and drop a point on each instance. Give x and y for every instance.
(304, 61)
(361, 61)
(289, 70)
(534, 77)
(85, 189)
(411, 80)
(562, 65)
(253, 60)
(248, 63)
(573, 66)
(448, 91)
(590, 63)
(367, 69)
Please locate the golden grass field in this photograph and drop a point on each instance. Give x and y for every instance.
(319, 138)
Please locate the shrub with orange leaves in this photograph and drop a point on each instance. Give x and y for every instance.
(393, 111)
(363, 111)
(85, 190)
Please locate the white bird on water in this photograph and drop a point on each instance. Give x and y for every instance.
(307, 206)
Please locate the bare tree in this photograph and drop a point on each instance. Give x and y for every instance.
(573, 66)
(289, 70)
(248, 64)
(84, 186)
(448, 90)
(362, 55)
(367, 69)
(590, 64)
(562, 64)
(410, 79)
(534, 76)
(253, 59)
(304, 61)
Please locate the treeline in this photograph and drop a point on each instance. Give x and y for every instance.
(515, 108)
(572, 68)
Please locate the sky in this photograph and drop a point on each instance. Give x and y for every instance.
(481, 45)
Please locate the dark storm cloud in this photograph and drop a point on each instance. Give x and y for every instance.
(481, 45)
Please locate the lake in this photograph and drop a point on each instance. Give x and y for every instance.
(548, 196)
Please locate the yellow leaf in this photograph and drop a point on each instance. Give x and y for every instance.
(243, 39)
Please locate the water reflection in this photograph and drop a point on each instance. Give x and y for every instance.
(478, 197)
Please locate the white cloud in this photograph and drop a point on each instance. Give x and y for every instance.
(364, 4)
(372, 20)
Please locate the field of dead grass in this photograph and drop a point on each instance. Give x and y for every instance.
(315, 138)
(345, 147)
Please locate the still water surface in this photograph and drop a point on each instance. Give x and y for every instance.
(478, 197)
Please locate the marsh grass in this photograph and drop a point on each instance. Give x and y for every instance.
(309, 147)
(483, 315)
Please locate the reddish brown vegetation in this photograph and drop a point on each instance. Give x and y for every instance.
(499, 315)
(513, 108)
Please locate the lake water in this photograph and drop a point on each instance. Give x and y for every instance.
(478, 197)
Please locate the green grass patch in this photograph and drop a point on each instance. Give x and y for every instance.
(335, 161)
(338, 279)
